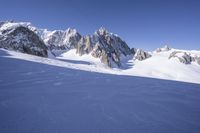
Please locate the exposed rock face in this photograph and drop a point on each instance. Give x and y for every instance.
(183, 57)
(133, 51)
(141, 55)
(173, 54)
(61, 40)
(85, 45)
(53, 41)
(22, 39)
(104, 45)
(109, 47)
(71, 38)
(165, 48)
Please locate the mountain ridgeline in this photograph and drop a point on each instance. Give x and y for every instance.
(22, 39)
(108, 47)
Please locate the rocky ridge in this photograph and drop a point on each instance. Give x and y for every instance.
(20, 38)
(108, 47)
(185, 57)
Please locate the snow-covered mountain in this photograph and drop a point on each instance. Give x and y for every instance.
(101, 52)
(19, 37)
(106, 46)
(61, 40)
(61, 81)
(157, 66)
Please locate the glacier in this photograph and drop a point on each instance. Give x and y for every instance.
(42, 95)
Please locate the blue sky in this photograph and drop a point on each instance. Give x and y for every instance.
(145, 24)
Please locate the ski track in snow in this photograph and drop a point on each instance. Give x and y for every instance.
(40, 95)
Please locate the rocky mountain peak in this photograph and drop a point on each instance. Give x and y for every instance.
(163, 49)
(71, 31)
(102, 31)
(141, 55)
(21, 38)
(106, 46)
(59, 40)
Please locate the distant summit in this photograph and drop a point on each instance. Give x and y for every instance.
(109, 48)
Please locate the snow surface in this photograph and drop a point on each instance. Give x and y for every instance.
(157, 66)
(40, 95)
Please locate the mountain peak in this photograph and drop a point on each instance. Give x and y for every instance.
(71, 31)
(164, 48)
(102, 31)
(12, 24)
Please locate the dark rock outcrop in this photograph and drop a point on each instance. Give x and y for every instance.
(106, 46)
(133, 51)
(165, 48)
(183, 57)
(109, 47)
(141, 55)
(24, 40)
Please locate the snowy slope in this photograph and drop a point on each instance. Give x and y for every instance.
(37, 95)
(73, 64)
(158, 66)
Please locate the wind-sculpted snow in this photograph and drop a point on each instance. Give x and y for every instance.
(41, 98)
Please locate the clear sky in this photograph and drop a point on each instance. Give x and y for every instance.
(145, 24)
